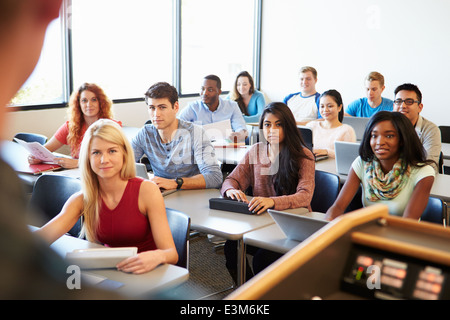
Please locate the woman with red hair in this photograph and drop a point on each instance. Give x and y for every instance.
(86, 105)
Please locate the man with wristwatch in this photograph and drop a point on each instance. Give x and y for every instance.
(179, 152)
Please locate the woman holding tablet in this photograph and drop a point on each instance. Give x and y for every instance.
(118, 208)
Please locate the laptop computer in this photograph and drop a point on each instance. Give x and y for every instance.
(296, 227)
(307, 136)
(141, 170)
(358, 124)
(346, 153)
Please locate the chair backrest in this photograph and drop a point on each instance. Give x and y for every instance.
(179, 226)
(51, 192)
(435, 211)
(327, 186)
(445, 134)
(31, 137)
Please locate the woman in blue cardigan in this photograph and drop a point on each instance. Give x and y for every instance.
(250, 101)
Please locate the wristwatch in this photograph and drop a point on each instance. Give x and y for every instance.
(179, 182)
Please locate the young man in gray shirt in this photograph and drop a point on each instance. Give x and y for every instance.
(408, 100)
(180, 153)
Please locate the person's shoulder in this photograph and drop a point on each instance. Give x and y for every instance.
(291, 95)
(359, 101)
(423, 171)
(387, 101)
(146, 185)
(429, 123)
(146, 130)
(194, 104)
(346, 127)
(313, 124)
(228, 102)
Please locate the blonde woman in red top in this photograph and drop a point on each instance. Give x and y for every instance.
(118, 209)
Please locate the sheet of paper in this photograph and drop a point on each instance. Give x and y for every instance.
(37, 150)
(218, 130)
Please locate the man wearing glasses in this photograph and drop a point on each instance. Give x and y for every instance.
(408, 101)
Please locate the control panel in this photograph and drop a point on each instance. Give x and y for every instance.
(377, 274)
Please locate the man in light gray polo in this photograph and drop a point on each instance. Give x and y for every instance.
(180, 153)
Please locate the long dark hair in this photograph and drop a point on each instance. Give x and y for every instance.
(337, 98)
(236, 96)
(286, 179)
(410, 147)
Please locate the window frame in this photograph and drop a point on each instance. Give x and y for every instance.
(176, 57)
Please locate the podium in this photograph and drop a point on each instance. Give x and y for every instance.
(365, 254)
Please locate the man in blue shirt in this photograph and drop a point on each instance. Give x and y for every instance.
(374, 102)
(180, 153)
(211, 108)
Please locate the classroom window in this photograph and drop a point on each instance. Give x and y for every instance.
(123, 46)
(126, 46)
(46, 85)
(216, 38)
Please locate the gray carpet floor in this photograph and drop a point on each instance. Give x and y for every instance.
(208, 277)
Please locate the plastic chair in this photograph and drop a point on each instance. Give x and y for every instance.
(436, 211)
(51, 192)
(180, 224)
(327, 186)
(31, 137)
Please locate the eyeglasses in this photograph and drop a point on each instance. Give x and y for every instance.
(408, 102)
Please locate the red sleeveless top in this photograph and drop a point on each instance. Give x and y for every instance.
(126, 226)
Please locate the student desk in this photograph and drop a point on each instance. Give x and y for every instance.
(16, 156)
(272, 237)
(225, 224)
(440, 187)
(134, 286)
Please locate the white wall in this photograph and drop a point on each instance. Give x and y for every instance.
(47, 121)
(405, 40)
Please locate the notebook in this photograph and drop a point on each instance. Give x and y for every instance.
(358, 124)
(346, 153)
(296, 227)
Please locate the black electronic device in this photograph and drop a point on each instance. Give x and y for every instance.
(227, 204)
